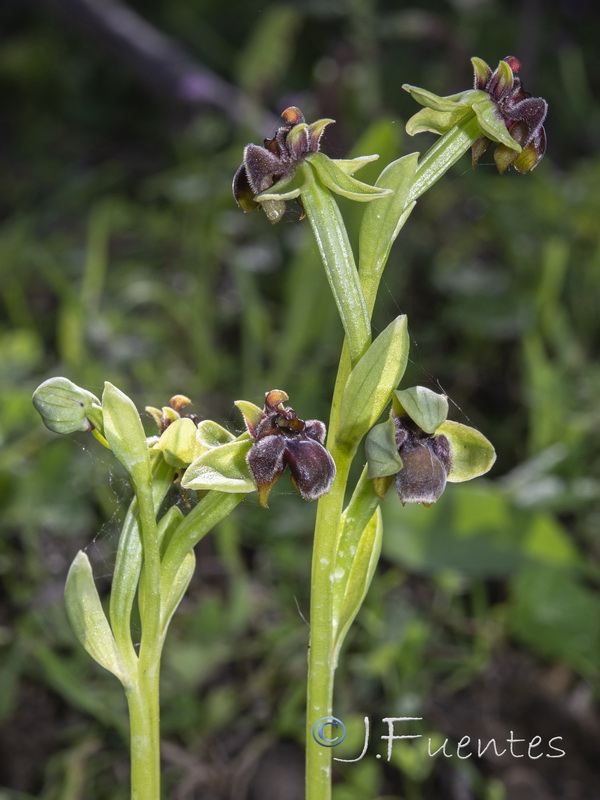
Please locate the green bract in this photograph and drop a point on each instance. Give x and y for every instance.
(371, 382)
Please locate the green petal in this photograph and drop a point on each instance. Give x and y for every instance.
(472, 454)
(482, 71)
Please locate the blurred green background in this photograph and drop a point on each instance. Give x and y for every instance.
(123, 257)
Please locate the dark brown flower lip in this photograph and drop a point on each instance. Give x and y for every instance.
(427, 460)
(278, 157)
(282, 439)
(523, 116)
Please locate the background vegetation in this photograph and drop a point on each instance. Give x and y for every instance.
(123, 257)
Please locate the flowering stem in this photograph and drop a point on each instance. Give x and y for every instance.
(335, 251)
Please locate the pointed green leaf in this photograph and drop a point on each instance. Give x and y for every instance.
(88, 620)
(382, 451)
(382, 222)
(339, 181)
(353, 572)
(125, 435)
(223, 468)
(472, 453)
(173, 594)
(167, 526)
(492, 124)
(426, 408)
(371, 382)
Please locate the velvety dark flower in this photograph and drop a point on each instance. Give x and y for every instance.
(283, 440)
(523, 115)
(426, 460)
(505, 114)
(263, 167)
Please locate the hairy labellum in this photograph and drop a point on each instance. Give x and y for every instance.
(523, 115)
(426, 459)
(283, 440)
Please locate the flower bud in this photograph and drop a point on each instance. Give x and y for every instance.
(66, 408)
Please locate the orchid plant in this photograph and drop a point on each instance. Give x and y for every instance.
(416, 447)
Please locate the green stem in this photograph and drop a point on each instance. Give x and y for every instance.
(129, 563)
(443, 154)
(338, 260)
(142, 701)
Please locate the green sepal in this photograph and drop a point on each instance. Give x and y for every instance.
(382, 222)
(222, 468)
(285, 189)
(252, 415)
(492, 124)
(88, 619)
(210, 434)
(352, 165)
(125, 434)
(353, 572)
(440, 122)
(179, 444)
(339, 181)
(472, 454)
(381, 450)
(462, 100)
(372, 381)
(173, 595)
(426, 408)
(67, 408)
